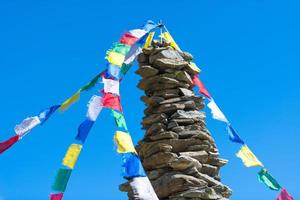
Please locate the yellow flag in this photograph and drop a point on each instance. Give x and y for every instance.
(167, 36)
(115, 58)
(124, 142)
(248, 158)
(149, 39)
(194, 67)
(65, 105)
(72, 155)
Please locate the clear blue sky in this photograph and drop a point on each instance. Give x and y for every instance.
(248, 52)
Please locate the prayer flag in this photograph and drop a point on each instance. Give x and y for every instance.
(125, 68)
(111, 86)
(202, 88)
(233, 136)
(142, 189)
(26, 125)
(149, 40)
(94, 107)
(72, 155)
(138, 33)
(128, 39)
(91, 84)
(8, 143)
(120, 48)
(115, 58)
(216, 112)
(65, 105)
(169, 39)
(132, 166)
(124, 142)
(133, 53)
(111, 101)
(61, 180)
(248, 158)
(58, 196)
(119, 118)
(113, 71)
(150, 25)
(284, 195)
(268, 180)
(83, 130)
(45, 114)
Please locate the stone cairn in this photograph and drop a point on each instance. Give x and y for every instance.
(177, 151)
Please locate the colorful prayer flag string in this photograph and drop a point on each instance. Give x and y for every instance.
(73, 152)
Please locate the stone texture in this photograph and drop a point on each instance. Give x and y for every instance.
(178, 152)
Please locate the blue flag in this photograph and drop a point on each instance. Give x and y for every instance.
(83, 130)
(233, 136)
(150, 25)
(112, 72)
(45, 114)
(132, 166)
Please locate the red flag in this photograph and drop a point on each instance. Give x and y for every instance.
(202, 88)
(8, 143)
(58, 196)
(111, 101)
(128, 39)
(284, 195)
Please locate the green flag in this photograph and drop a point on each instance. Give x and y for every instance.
(61, 180)
(268, 180)
(125, 68)
(119, 118)
(120, 48)
(91, 84)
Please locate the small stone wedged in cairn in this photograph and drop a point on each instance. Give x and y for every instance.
(177, 151)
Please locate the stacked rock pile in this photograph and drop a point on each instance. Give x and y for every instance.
(177, 151)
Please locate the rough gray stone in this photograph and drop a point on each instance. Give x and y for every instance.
(201, 156)
(146, 71)
(171, 183)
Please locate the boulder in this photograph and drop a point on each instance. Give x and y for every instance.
(146, 71)
(171, 183)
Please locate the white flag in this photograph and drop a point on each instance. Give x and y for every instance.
(142, 189)
(216, 112)
(138, 33)
(94, 107)
(132, 54)
(26, 125)
(111, 86)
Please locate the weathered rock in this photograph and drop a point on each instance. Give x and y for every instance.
(171, 183)
(198, 147)
(155, 148)
(186, 56)
(166, 94)
(156, 173)
(147, 71)
(205, 194)
(152, 101)
(209, 170)
(156, 128)
(159, 160)
(165, 53)
(186, 92)
(181, 114)
(165, 63)
(185, 162)
(201, 156)
(163, 135)
(143, 58)
(154, 118)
